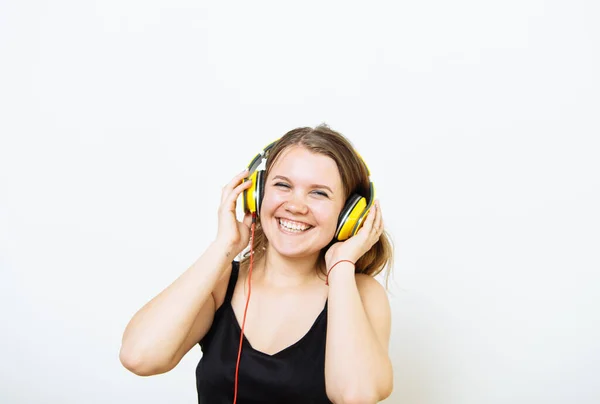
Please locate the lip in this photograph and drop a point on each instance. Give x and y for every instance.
(284, 230)
(293, 220)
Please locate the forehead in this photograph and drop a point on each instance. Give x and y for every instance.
(300, 164)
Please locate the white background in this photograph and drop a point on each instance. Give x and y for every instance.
(120, 121)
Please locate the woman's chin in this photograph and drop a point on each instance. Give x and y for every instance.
(296, 245)
(293, 250)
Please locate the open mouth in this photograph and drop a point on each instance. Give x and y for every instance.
(290, 226)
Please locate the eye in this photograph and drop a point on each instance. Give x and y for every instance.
(321, 193)
(282, 184)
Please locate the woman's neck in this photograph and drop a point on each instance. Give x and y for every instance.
(279, 271)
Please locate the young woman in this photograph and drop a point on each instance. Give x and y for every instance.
(300, 319)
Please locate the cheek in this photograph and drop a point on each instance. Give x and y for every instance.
(271, 201)
(326, 215)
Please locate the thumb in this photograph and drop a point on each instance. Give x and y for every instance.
(247, 219)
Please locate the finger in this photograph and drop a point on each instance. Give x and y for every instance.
(231, 198)
(235, 181)
(367, 225)
(247, 219)
(372, 216)
(378, 221)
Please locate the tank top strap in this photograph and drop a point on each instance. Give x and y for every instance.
(235, 269)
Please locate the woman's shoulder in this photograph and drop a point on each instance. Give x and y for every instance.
(369, 285)
(372, 293)
(377, 306)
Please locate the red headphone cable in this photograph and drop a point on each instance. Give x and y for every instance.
(237, 365)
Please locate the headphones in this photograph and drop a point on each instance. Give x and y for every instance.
(350, 219)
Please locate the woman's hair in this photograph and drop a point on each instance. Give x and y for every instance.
(355, 179)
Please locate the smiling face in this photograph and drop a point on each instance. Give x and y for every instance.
(302, 200)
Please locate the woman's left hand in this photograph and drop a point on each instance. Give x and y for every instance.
(357, 245)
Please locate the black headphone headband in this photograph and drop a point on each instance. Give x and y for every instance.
(258, 159)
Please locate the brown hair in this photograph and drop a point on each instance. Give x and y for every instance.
(355, 179)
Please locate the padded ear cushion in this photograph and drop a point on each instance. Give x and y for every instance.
(351, 213)
(260, 190)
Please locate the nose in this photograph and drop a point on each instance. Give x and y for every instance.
(296, 204)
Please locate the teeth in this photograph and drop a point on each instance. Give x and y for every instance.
(292, 226)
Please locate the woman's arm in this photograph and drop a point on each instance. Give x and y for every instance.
(168, 326)
(152, 340)
(357, 365)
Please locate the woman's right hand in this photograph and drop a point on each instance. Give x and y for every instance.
(231, 232)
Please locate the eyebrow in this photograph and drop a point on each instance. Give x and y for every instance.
(281, 177)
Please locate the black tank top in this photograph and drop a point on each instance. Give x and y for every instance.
(293, 375)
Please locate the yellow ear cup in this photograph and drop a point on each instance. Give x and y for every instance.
(252, 197)
(351, 219)
(363, 214)
(250, 194)
(359, 222)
